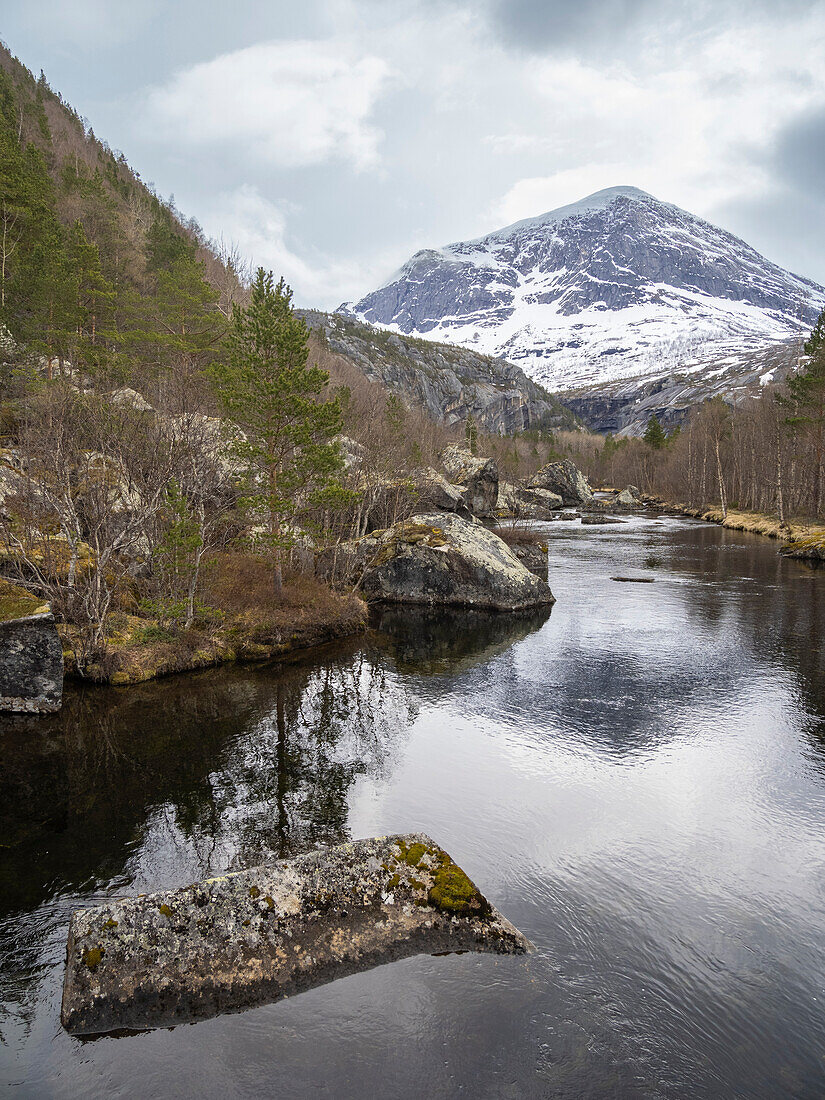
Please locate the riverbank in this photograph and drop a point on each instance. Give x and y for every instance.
(305, 615)
(800, 538)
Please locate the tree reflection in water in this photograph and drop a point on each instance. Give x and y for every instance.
(188, 777)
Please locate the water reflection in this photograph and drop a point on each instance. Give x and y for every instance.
(636, 781)
(224, 764)
(431, 642)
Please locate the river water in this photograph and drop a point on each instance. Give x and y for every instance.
(636, 780)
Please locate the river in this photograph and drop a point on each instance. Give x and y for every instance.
(637, 780)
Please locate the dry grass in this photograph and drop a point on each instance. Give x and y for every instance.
(519, 536)
(252, 623)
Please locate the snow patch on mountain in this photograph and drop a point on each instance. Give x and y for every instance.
(616, 285)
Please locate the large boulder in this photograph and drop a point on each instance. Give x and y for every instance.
(31, 656)
(255, 936)
(523, 503)
(479, 476)
(537, 503)
(434, 491)
(564, 478)
(436, 558)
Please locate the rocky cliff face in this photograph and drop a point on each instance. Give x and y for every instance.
(617, 285)
(451, 383)
(625, 406)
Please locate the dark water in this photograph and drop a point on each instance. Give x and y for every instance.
(637, 781)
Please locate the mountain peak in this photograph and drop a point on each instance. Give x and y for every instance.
(615, 285)
(599, 200)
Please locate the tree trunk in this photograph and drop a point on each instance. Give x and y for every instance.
(275, 529)
(722, 496)
(196, 568)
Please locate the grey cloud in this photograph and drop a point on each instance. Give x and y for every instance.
(621, 26)
(799, 155)
(538, 25)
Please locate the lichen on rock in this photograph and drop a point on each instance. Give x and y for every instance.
(256, 936)
(437, 558)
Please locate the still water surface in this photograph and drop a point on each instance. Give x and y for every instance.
(637, 781)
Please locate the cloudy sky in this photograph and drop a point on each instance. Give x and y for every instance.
(330, 139)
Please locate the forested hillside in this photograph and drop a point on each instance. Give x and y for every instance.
(95, 269)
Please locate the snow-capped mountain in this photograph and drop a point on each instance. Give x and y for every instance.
(616, 285)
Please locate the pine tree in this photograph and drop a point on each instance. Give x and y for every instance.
(654, 434)
(806, 399)
(93, 305)
(265, 383)
(396, 416)
(471, 433)
(817, 338)
(178, 323)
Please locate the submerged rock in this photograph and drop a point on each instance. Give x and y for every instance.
(436, 558)
(599, 521)
(564, 478)
(253, 937)
(31, 656)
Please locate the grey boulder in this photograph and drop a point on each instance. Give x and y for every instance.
(31, 656)
(564, 478)
(478, 476)
(269, 932)
(436, 558)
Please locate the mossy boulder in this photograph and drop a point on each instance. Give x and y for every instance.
(437, 558)
(255, 936)
(807, 548)
(31, 655)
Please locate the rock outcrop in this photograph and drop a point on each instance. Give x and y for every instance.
(436, 558)
(31, 656)
(253, 937)
(450, 383)
(478, 476)
(564, 478)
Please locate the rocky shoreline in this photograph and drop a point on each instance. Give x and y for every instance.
(445, 554)
(803, 541)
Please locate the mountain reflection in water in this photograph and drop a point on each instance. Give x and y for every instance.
(635, 780)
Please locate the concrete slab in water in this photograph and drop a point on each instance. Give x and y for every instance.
(255, 936)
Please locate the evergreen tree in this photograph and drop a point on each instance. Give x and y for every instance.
(471, 433)
(654, 434)
(93, 305)
(265, 383)
(396, 415)
(178, 323)
(806, 399)
(817, 338)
